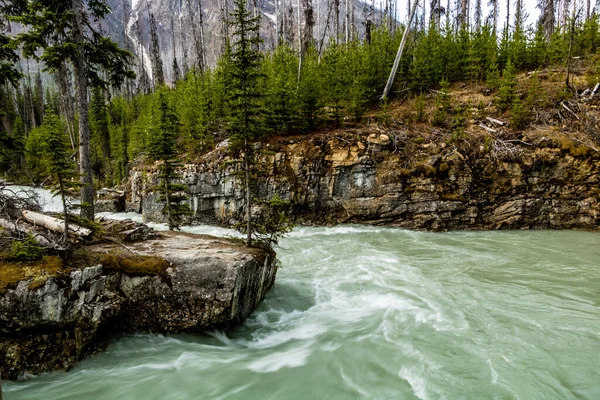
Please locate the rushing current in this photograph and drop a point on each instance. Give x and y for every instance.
(380, 313)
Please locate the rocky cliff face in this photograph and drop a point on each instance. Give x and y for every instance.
(378, 177)
(206, 283)
(179, 24)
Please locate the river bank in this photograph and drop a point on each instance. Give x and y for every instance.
(382, 176)
(376, 312)
(54, 313)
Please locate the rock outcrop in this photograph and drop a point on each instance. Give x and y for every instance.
(197, 283)
(384, 178)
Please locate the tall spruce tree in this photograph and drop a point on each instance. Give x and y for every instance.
(244, 97)
(163, 148)
(58, 31)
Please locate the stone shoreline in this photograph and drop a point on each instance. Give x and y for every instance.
(208, 283)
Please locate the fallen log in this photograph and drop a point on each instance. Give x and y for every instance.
(55, 224)
(13, 227)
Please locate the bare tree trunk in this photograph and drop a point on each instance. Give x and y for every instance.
(34, 123)
(168, 205)
(85, 165)
(65, 210)
(299, 43)
(507, 16)
(565, 13)
(309, 24)
(66, 100)
(337, 20)
(390, 81)
(248, 195)
(347, 21)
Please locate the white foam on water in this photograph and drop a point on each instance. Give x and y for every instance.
(48, 201)
(304, 232)
(292, 358)
(352, 385)
(416, 381)
(299, 331)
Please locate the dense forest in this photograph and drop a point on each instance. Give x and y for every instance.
(111, 118)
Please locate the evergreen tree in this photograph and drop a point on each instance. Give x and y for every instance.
(58, 31)
(99, 127)
(9, 72)
(507, 90)
(245, 76)
(163, 148)
(60, 167)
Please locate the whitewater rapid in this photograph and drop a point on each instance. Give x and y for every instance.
(379, 313)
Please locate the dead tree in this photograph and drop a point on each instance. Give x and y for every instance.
(390, 81)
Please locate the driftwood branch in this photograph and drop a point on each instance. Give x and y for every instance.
(495, 121)
(13, 226)
(55, 224)
(569, 110)
(487, 128)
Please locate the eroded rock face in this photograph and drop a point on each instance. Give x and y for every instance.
(210, 284)
(431, 186)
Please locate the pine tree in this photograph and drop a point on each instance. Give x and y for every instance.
(245, 77)
(9, 72)
(246, 122)
(163, 148)
(58, 31)
(507, 90)
(60, 167)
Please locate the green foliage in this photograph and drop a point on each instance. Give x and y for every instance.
(420, 109)
(99, 129)
(60, 167)
(442, 106)
(26, 249)
(163, 148)
(52, 37)
(34, 156)
(507, 89)
(271, 223)
(519, 115)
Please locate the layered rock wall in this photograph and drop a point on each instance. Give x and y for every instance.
(374, 180)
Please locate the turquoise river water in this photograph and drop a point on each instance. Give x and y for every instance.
(380, 313)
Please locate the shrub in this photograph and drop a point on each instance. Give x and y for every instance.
(26, 249)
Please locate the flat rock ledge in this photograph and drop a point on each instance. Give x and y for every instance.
(208, 283)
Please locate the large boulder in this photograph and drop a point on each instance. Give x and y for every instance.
(176, 283)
